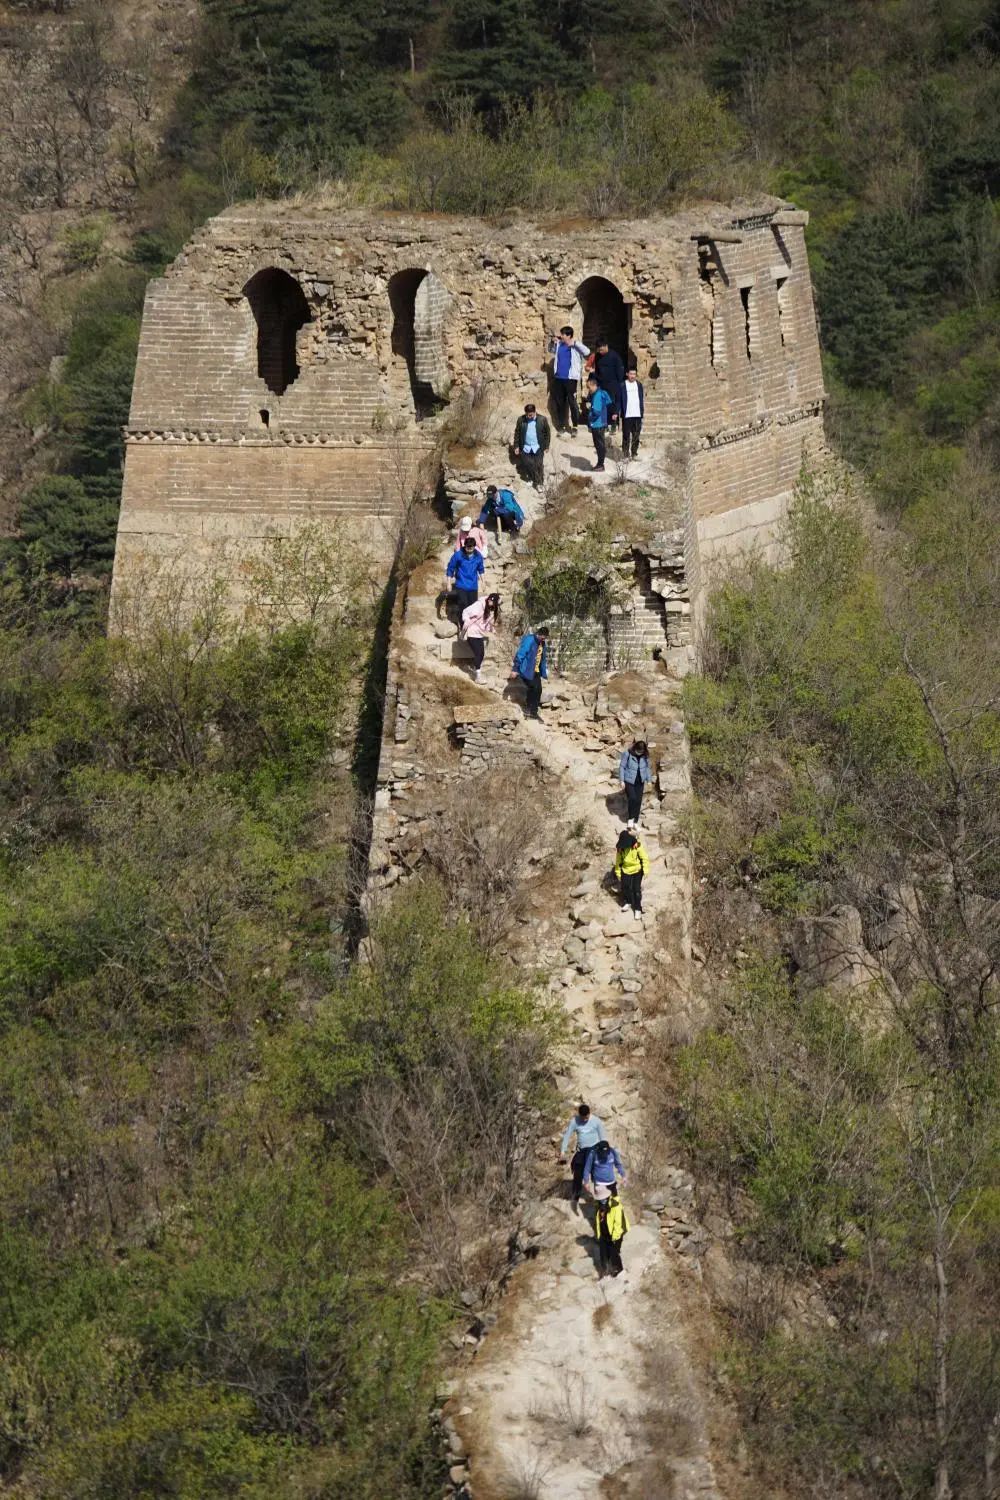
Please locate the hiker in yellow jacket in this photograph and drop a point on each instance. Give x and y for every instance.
(611, 1226)
(631, 864)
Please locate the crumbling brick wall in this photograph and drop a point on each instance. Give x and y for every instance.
(430, 358)
(714, 305)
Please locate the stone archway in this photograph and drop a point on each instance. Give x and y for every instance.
(420, 304)
(604, 314)
(279, 310)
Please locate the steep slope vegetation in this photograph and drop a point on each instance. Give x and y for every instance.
(170, 873)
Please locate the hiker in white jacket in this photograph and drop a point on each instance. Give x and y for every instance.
(567, 367)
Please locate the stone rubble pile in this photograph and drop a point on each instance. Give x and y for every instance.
(673, 1203)
(486, 732)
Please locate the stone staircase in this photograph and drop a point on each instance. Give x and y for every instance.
(465, 481)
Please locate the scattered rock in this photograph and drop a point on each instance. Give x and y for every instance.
(829, 952)
(574, 950)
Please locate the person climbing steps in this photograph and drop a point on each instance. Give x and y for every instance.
(501, 507)
(479, 622)
(599, 407)
(465, 568)
(633, 774)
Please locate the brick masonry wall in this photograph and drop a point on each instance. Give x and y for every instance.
(739, 493)
(208, 439)
(200, 507)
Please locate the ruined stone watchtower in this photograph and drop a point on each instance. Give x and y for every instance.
(292, 359)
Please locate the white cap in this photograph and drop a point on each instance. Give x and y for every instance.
(465, 524)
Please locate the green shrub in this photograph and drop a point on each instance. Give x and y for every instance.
(786, 1102)
(67, 527)
(82, 244)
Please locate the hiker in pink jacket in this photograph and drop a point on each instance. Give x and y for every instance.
(479, 622)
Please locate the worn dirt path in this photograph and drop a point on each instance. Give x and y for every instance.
(586, 1387)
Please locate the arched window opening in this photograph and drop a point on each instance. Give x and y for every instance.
(280, 309)
(419, 303)
(606, 315)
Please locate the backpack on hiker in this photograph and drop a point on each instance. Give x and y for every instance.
(506, 505)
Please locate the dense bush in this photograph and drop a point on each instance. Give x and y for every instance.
(223, 1259)
(313, 75)
(845, 745)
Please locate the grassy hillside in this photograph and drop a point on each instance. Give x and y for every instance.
(188, 1051)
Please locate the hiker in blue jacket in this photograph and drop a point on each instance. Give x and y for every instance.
(531, 665)
(634, 773)
(567, 365)
(501, 507)
(599, 1170)
(632, 405)
(588, 1130)
(598, 406)
(465, 568)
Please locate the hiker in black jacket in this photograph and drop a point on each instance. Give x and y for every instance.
(610, 371)
(532, 436)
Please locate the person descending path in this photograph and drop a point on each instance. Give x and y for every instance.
(568, 355)
(632, 405)
(611, 1226)
(532, 436)
(631, 864)
(588, 1130)
(598, 407)
(479, 622)
(601, 1167)
(633, 774)
(531, 665)
(501, 507)
(478, 535)
(465, 567)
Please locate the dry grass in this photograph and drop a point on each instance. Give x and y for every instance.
(483, 845)
(445, 688)
(603, 1317)
(425, 580)
(573, 504)
(671, 1421)
(423, 534)
(525, 1479)
(473, 417)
